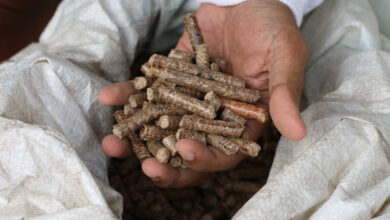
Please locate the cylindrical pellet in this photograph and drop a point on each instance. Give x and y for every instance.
(148, 113)
(224, 144)
(168, 122)
(151, 132)
(129, 111)
(187, 102)
(246, 110)
(214, 67)
(136, 100)
(119, 115)
(191, 92)
(202, 56)
(222, 64)
(152, 95)
(175, 161)
(219, 127)
(229, 115)
(184, 133)
(181, 55)
(204, 85)
(248, 147)
(170, 143)
(213, 99)
(139, 148)
(142, 82)
(193, 30)
(158, 151)
(159, 61)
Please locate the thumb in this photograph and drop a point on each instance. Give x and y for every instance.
(287, 68)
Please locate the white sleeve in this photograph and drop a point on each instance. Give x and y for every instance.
(298, 7)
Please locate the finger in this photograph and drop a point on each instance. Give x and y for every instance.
(117, 93)
(206, 159)
(165, 175)
(114, 147)
(287, 66)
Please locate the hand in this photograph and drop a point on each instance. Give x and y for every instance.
(264, 47)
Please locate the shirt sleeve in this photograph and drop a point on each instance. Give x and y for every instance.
(298, 7)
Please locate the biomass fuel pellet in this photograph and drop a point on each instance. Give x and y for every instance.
(187, 102)
(158, 151)
(183, 133)
(152, 132)
(170, 143)
(136, 100)
(219, 127)
(159, 61)
(168, 122)
(224, 144)
(181, 55)
(229, 115)
(142, 82)
(205, 85)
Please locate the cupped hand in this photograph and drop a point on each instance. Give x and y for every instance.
(265, 48)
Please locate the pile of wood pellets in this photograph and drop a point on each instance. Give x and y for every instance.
(220, 197)
(189, 96)
(183, 96)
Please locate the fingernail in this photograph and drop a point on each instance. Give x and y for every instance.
(187, 155)
(155, 179)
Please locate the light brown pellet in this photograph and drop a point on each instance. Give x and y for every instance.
(170, 143)
(136, 100)
(175, 161)
(224, 144)
(158, 82)
(148, 113)
(157, 110)
(222, 64)
(181, 55)
(139, 148)
(229, 115)
(202, 56)
(248, 147)
(151, 132)
(158, 151)
(159, 61)
(129, 111)
(152, 95)
(246, 110)
(214, 67)
(219, 127)
(191, 92)
(193, 30)
(147, 71)
(168, 122)
(183, 133)
(142, 82)
(204, 85)
(213, 99)
(187, 102)
(119, 115)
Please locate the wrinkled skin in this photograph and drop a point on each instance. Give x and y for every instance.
(263, 45)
